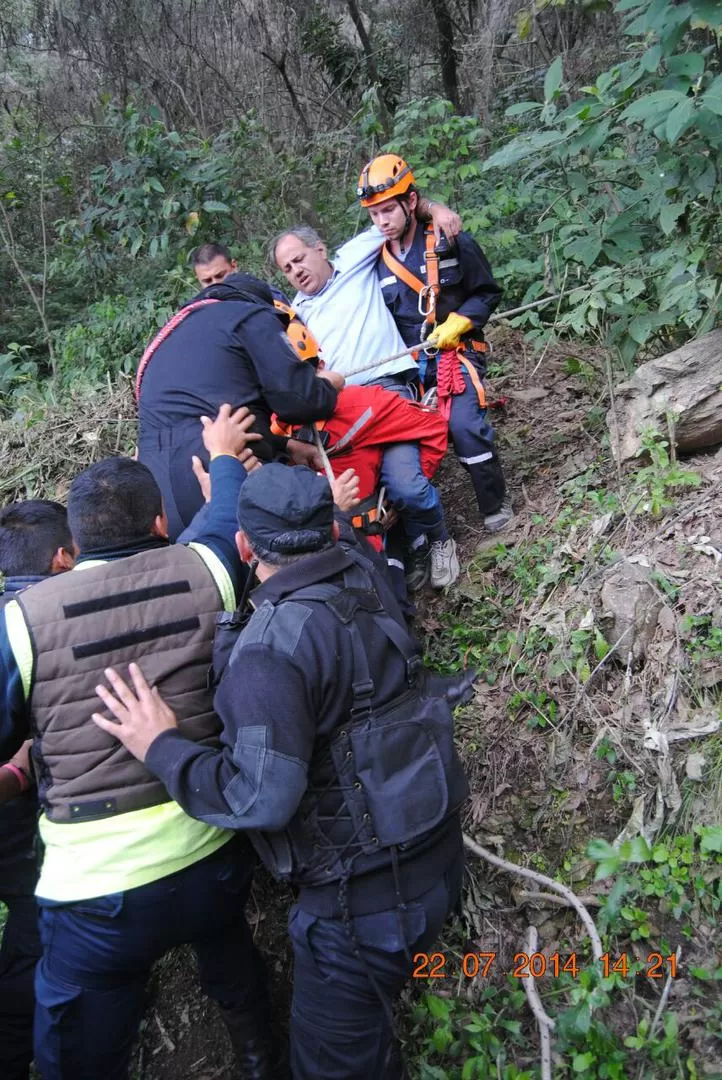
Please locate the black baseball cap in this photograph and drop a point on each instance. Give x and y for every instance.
(287, 509)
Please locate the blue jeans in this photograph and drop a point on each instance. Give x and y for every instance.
(97, 956)
(340, 1028)
(413, 495)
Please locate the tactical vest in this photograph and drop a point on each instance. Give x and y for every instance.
(387, 777)
(157, 608)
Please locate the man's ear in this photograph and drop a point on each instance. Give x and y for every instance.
(323, 249)
(160, 526)
(335, 531)
(244, 547)
(234, 265)
(413, 201)
(62, 560)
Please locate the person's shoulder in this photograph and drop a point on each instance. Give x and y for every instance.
(359, 250)
(278, 627)
(466, 243)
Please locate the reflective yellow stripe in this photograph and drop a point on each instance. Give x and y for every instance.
(20, 643)
(94, 858)
(219, 574)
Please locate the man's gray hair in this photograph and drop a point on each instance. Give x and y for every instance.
(304, 233)
(276, 558)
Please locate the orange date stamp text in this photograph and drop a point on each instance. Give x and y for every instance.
(437, 965)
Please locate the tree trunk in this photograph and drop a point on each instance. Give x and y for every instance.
(685, 383)
(371, 68)
(280, 66)
(445, 31)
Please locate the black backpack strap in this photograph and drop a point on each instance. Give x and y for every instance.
(359, 594)
(344, 603)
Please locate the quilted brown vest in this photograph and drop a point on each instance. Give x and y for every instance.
(157, 608)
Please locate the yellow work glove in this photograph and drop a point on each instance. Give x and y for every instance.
(447, 334)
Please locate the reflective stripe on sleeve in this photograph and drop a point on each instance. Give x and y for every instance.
(20, 643)
(219, 574)
(477, 459)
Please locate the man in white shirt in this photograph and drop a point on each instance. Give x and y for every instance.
(343, 307)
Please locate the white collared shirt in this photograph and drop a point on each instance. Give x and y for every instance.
(349, 318)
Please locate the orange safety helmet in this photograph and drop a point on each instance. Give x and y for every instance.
(302, 340)
(386, 177)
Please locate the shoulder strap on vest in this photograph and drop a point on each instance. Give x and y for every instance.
(219, 574)
(344, 602)
(428, 290)
(432, 292)
(21, 643)
(401, 271)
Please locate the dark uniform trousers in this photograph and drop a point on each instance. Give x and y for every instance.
(19, 954)
(474, 442)
(168, 453)
(344, 990)
(97, 957)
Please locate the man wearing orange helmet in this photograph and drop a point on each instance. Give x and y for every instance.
(443, 293)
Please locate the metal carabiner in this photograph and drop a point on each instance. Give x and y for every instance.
(427, 301)
(430, 350)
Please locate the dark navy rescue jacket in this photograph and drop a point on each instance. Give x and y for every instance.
(467, 285)
(235, 351)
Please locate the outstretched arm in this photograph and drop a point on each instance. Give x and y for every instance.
(289, 386)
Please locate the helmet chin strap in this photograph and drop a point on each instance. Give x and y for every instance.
(408, 218)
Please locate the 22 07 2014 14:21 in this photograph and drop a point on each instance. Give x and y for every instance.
(482, 964)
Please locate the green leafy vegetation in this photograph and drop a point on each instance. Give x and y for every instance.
(607, 194)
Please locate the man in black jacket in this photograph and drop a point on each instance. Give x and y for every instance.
(340, 759)
(226, 345)
(35, 542)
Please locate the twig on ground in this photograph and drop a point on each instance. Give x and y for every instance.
(547, 882)
(667, 526)
(545, 1023)
(665, 996)
(615, 422)
(554, 898)
(584, 686)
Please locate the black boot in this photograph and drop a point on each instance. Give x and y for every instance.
(418, 566)
(252, 1044)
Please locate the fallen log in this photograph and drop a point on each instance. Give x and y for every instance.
(685, 384)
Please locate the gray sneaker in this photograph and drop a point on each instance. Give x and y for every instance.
(444, 563)
(499, 520)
